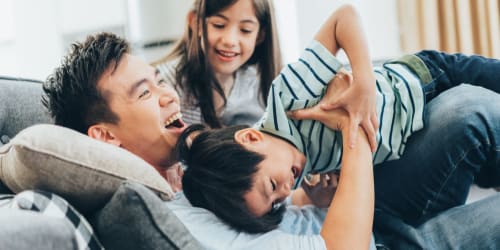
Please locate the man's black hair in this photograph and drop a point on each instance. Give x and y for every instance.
(71, 93)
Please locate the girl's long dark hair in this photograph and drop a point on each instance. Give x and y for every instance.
(194, 71)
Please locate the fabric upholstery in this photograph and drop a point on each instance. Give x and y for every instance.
(27, 230)
(51, 205)
(20, 106)
(84, 171)
(135, 218)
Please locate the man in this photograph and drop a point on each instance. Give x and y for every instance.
(105, 92)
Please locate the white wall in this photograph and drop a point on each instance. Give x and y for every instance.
(32, 46)
(379, 20)
(34, 34)
(36, 45)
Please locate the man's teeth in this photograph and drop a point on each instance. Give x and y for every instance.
(172, 119)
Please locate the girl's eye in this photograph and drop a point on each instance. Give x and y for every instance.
(218, 25)
(246, 31)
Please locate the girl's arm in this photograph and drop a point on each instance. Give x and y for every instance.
(343, 30)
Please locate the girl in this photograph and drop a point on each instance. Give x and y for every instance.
(225, 62)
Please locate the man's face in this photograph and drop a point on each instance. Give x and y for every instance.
(148, 110)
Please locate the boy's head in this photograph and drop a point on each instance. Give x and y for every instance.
(240, 174)
(103, 91)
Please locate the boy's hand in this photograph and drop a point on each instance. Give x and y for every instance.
(321, 193)
(359, 100)
(334, 118)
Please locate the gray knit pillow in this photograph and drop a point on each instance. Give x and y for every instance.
(84, 171)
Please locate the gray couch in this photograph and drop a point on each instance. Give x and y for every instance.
(133, 218)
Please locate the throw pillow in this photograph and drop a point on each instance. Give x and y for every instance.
(51, 205)
(4, 189)
(135, 218)
(84, 171)
(27, 230)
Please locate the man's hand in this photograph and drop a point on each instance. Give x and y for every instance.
(356, 96)
(173, 175)
(321, 193)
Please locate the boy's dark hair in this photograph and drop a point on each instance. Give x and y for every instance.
(71, 93)
(219, 172)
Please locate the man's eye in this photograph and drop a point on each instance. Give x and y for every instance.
(273, 185)
(146, 92)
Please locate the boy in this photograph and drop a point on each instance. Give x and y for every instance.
(278, 152)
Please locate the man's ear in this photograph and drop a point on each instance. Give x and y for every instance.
(102, 133)
(248, 136)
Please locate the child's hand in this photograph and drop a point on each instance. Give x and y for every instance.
(321, 193)
(334, 118)
(173, 175)
(359, 100)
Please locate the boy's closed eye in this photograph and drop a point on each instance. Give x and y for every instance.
(274, 204)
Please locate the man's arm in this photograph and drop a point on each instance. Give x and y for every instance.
(349, 219)
(348, 223)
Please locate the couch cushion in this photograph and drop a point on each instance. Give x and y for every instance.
(20, 106)
(4, 189)
(135, 218)
(26, 230)
(53, 206)
(84, 171)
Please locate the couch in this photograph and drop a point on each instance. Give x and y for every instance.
(63, 190)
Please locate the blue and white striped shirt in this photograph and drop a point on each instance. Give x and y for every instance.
(400, 105)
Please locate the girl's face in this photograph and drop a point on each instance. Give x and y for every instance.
(232, 36)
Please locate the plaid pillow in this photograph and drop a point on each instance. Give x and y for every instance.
(52, 205)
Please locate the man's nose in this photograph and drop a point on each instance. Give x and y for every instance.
(165, 99)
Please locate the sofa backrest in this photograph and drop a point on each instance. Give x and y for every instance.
(20, 106)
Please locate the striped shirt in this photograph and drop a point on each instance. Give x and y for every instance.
(244, 103)
(400, 105)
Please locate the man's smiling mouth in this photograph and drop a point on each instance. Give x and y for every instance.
(174, 121)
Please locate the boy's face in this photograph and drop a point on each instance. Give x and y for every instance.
(148, 110)
(276, 174)
(232, 36)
